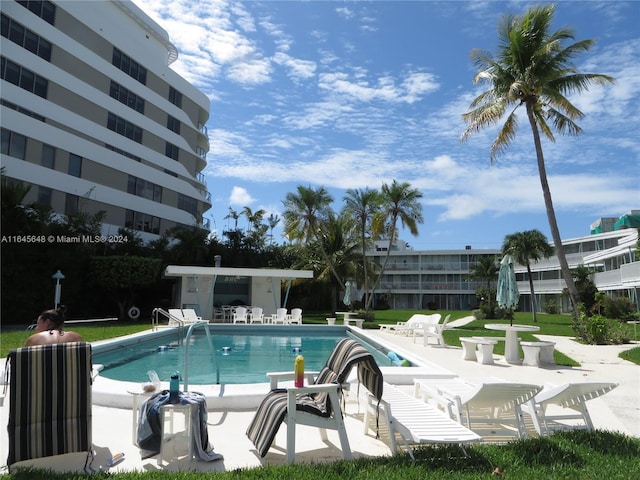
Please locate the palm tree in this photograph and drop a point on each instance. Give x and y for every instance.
(304, 216)
(273, 222)
(398, 201)
(363, 205)
(524, 247)
(532, 69)
(485, 269)
(339, 241)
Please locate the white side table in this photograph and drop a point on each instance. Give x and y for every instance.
(176, 440)
(139, 397)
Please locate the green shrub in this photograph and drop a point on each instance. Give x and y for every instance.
(598, 329)
(551, 306)
(479, 314)
(367, 315)
(620, 308)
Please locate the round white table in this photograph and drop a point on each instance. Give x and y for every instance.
(511, 353)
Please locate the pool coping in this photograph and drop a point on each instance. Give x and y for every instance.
(119, 394)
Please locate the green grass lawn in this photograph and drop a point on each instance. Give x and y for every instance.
(569, 455)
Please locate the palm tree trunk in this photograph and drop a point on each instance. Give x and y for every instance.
(533, 295)
(364, 270)
(551, 216)
(392, 235)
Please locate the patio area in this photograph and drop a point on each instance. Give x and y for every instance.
(618, 410)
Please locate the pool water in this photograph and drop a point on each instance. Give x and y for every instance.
(242, 358)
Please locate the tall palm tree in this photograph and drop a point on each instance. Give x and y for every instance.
(273, 222)
(305, 213)
(485, 270)
(254, 219)
(398, 201)
(525, 247)
(532, 69)
(363, 204)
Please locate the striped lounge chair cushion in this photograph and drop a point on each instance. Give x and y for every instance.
(50, 400)
(273, 408)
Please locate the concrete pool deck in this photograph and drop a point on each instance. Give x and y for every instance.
(618, 410)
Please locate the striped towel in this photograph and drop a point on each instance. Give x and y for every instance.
(273, 408)
(49, 401)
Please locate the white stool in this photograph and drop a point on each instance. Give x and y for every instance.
(176, 430)
(331, 321)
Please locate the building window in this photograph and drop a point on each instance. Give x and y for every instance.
(44, 196)
(123, 153)
(188, 204)
(44, 9)
(173, 124)
(75, 165)
(71, 204)
(142, 188)
(171, 151)
(48, 156)
(23, 78)
(23, 111)
(126, 97)
(129, 66)
(142, 221)
(14, 144)
(124, 127)
(25, 38)
(175, 97)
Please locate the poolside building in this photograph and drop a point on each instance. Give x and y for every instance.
(207, 289)
(93, 117)
(437, 279)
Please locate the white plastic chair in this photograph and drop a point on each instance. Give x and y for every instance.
(240, 315)
(280, 316)
(296, 316)
(256, 315)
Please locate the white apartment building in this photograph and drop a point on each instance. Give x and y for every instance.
(436, 279)
(93, 117)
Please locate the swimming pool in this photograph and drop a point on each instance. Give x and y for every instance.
(242, 354)
(120, 352)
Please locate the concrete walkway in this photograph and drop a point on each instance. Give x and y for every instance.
(618, 410)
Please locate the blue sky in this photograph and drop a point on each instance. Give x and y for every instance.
(357, 94)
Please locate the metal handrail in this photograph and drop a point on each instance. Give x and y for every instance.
(185, 378)
(159, 311)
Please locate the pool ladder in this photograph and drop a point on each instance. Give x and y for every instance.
(185, 375)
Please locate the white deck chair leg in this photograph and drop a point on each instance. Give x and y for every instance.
(342, 431)
(291, 428)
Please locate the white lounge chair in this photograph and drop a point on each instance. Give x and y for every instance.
(256, 315)
(432, 329)
(176, 317)
(572, 396)
(415, 321)
(491, 407)
(415, 422)
(240, 315)
(317, 404)
(296, 316)
(190, 315)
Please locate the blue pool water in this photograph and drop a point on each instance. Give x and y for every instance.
(243, 356)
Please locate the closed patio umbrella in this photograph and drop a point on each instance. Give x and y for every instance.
(347, 293)
(507, 292)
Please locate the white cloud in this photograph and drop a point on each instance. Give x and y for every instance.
(240, 197)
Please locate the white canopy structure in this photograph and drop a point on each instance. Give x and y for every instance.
(256, 286)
